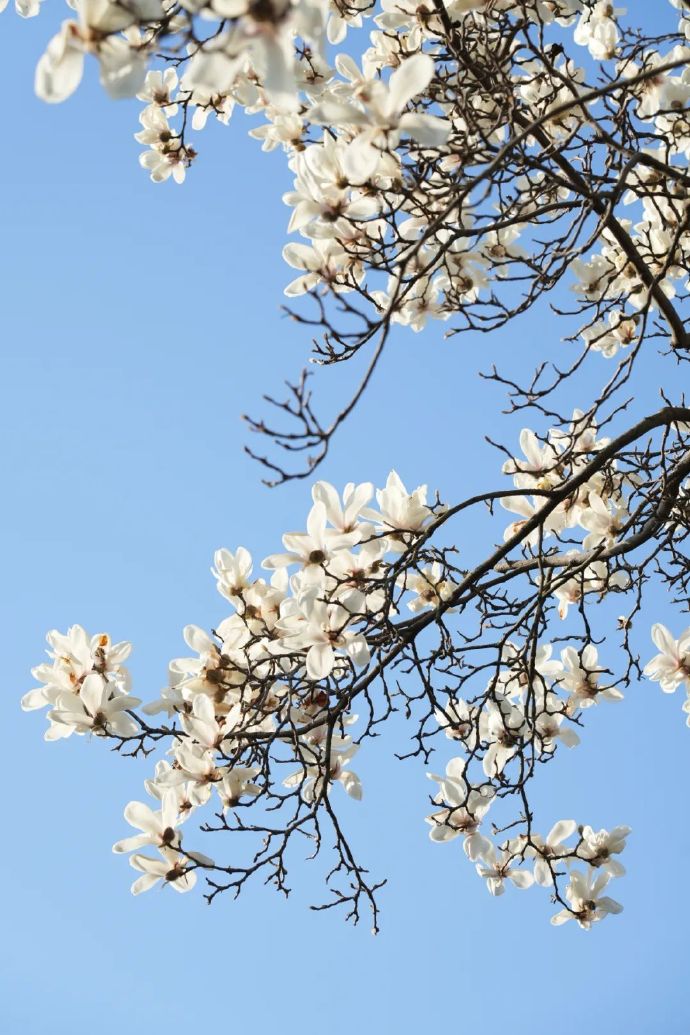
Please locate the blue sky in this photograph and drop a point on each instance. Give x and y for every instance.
(138, 323)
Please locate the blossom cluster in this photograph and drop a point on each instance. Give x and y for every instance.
(439, 175)
(269, 670)
(598, 509)
(525, 715)
(280, 674)
(373, 143)
(530, 859)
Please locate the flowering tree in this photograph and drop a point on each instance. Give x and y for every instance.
(478, 153)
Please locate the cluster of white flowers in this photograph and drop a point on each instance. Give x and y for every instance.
(377, 149)
(351, 132)
(257, 673)
(660, 235)
(520, 717)
(530, 859)
(598, 509)
(597, 29)
(86, 686)
(272, 669)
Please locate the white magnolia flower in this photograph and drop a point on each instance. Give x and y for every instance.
(497, 867)
(312, 550)
(202, 725)
(459, 720)
(503, 727)
(596, 578)
(232, 572)
(608, 337)
(464, 809)
(96, 708)
(598, 847)
(158, 828)
(122, 67)
(344, 517)
(237, 784)
(541, 468)
(580, 679)
(384, 114)
(174, 870)
(603, 520)
(597, 29)
(310, 778)
(551, 726)
(325, 633)
(587, 904)
(547, 852)
(263, 34)
(159, 87)
(670, 668)
(429, 586)
(403, 515)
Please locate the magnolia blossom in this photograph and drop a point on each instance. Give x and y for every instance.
(237, 783)
(384, 113)
(312, 783)
(580, 679)
(314, 549)
(400, 511)
(325, 633)
(463, 812)
(596, 578)
(174, 870)
(549, 850)
(598, 847)
(586, 903)
(670, 668)
(344, 516)
(85, 687)
(122, 67)
(430, 586)
(232, 572)
(497, 867)
(597, 29)
(264, 35)
(158, 828)
(95, 709)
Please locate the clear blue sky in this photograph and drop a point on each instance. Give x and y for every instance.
(137, 324)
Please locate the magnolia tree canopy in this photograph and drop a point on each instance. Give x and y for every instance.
(453, 160)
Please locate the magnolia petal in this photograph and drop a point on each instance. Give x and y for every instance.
(60, 69)
(34, 699)
(320, 659)
(662, 639)
(609, 905)
(131, 844)
(561, 831)
(144, 883)
(123, 70)
(352, 784)
(360, 160)
(140, 815)
(442, 833)
(278, 74)
(521, 878)
(409, 79)
(91, 693)
(427, 130)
